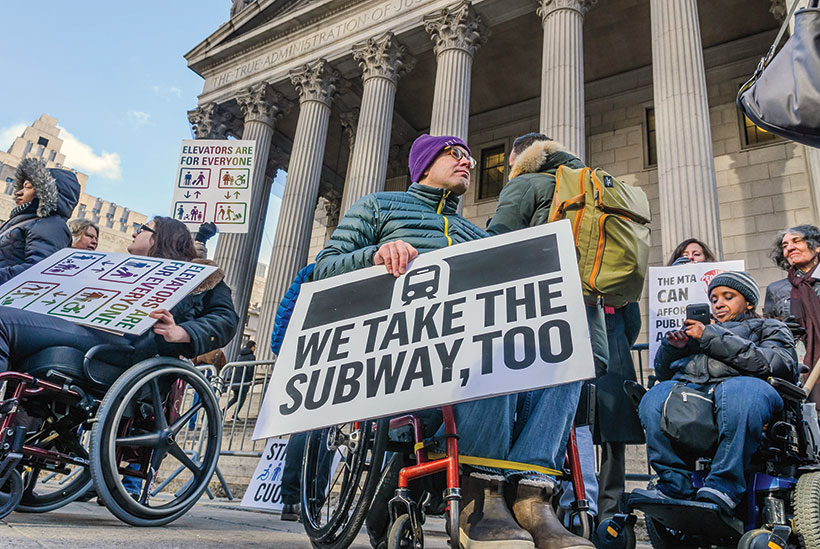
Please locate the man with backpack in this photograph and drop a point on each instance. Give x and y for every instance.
(392, 229)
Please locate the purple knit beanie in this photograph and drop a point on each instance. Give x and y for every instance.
(425, 149)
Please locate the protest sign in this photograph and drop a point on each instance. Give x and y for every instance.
(213, 183)
(671, 289)
(489, 317)
(111, 291)
(265, 488)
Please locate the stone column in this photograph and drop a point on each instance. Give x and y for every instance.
(382, 60)
(350, 120)
(562, 72)
(236, 253)
(316, 83)
(457, 32)
(686, 166)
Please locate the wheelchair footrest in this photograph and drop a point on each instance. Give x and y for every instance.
(693, 517)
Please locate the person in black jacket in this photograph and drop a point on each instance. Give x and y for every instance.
(204, 320)
(37, 226)
(735, 355)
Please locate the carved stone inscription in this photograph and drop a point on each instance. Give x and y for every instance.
(313, 41)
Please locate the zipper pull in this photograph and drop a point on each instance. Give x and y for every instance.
(685, 396)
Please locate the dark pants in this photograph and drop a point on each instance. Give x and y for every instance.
(292, 474)
(238, 394)
(22, 334)
(612, 478)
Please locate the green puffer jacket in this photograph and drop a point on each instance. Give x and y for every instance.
(526, 198)
(424, 217)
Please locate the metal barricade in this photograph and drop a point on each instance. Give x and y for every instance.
(243, 388)
(640, 351)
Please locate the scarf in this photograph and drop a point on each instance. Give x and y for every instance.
(805, 306)
(17, 210)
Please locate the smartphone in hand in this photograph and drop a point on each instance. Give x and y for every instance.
(699, 312)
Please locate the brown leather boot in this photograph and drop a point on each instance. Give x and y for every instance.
(485, 521)
(532, 509)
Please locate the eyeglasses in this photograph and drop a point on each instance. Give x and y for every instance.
(144, 227)
(459, 154)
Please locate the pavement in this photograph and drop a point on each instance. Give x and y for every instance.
(211, 523)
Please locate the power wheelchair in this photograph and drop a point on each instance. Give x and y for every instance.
(782, 505)
(78, 420)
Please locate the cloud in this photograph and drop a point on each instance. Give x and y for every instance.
(8, 134)
(138, 118)
(167, 90)
(82, 157)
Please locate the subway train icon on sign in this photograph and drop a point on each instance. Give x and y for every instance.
(420, 283)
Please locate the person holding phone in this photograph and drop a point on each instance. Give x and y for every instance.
(735, 354)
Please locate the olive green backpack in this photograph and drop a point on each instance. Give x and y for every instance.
(610, 223)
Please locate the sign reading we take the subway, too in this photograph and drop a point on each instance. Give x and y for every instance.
(213, 183)
(115, 292)
(496, 316)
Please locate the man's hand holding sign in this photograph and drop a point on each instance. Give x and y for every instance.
(395, 256)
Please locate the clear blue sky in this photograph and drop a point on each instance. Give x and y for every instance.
(114, 75)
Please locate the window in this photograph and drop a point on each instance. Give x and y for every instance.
(651, 139)
(43, 141)
(491, 175)
(753, 135)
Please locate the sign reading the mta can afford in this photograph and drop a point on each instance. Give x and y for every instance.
(671, 289)
(489, 317)
(213, 183)
(115, 292)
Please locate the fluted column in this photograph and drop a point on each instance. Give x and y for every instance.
(316, 83)
(457, 32)
(382, 60)
(686, 166)
(562, 72)
(238, 253)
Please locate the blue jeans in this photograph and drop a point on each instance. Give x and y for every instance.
(132, 485)
(744, 405)
(292, 473)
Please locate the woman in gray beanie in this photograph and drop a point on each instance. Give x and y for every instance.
(733, 355)
(37, 226)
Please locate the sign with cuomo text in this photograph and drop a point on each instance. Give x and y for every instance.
(490, 317)
(103, 290)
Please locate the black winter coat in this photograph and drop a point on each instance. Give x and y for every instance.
(758, 347)
(39, 230)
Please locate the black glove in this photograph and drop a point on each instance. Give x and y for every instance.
(797, 330)
(682, 260)
(206, 231)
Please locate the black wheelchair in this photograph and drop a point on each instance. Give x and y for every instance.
(78, 420)
(782, 506)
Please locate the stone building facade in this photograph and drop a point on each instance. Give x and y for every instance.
(41, 140)
(336, 90)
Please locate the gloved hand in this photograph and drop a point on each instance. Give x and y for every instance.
(797, 330)
(206, 231)
(682, 260)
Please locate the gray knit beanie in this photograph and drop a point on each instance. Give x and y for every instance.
(740, 281)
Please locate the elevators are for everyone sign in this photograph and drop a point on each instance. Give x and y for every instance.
(490, 317)
(111, 291)
(213, 183)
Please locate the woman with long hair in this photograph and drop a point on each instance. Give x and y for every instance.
(204, 320)
(691, 250)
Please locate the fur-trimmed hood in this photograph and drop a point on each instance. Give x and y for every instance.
(542, 156)
(57, 190)
(212, 280)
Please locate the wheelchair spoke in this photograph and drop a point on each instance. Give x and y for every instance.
(148, 439)
(184, 418)
(159, 409)
(183, 458)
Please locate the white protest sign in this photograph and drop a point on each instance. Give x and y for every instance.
(103, 290)
(213, 183)
(490, 317)
(265, 488)
(671, 289)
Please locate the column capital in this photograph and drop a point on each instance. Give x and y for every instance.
(350, 121)
(548, 7)
(261, 103)
(316, 81)
(383, 56)
(457, 27)
(210, 121)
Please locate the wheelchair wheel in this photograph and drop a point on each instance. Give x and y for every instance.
(401, 535)
(10, 493)
(333, 518)
(142, 420)
(806, 503)
(754, 539)
(45, 490)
